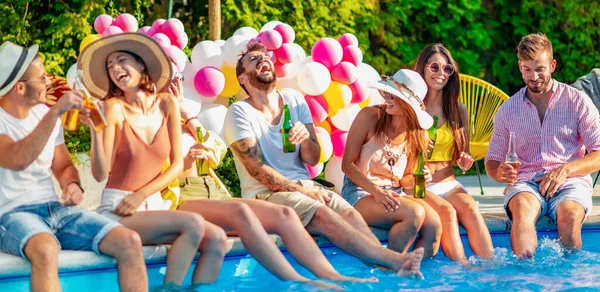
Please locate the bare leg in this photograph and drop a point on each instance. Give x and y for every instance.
(431, 230)
(213, 248)
(403, 223)
(126, 246)
(183, 229)
(451, 243)
(284, 222)
(569, 217)
(479, 236)
(354, 218)
(354, 242)
(42, 251)
(237, 216)
(525, 209)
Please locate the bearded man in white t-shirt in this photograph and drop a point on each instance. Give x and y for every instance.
(252, 130)
(34, 221)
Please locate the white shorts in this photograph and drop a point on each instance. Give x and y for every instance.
(111, 198)
(441, 189)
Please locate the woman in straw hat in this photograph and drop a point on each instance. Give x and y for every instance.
(143, 132)
(379, 159)
(440, 72)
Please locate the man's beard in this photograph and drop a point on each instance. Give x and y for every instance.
(540, 88)
(263, 83)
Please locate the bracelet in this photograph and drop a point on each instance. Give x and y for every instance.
(188, 120)
(78, 184)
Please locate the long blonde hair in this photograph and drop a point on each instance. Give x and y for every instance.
(415, 136)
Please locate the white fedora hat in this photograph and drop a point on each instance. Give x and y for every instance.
(410, 87)
(14, 61)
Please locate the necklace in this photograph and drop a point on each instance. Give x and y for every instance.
(392, 159)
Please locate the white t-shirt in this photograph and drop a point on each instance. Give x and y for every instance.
(244, 121)
(34, 184)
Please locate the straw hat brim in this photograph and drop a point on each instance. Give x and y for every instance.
(92, 61)
(425, 120)
(31, 53)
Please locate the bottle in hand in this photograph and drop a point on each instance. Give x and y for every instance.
(286, 125)
(201, 165)
(71, 118)
(432, 132)
(511, 156)
(419, 176)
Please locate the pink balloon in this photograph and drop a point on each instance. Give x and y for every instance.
(285, 53)
(286, 31)
(112, 30)
(281, 70)
(273, 56)
(348, 39)
(271, 39)
(162, 40)
(344, 72)
(178, 57)
(102, 22)
(318, 107)
(173, 28)
(360, 91)
(157, 24)
(127, 22)
(145, 30)
(181, 42)
(338, 139)
(352, 54)
(314, 171)
(328, 52)
(209, 82)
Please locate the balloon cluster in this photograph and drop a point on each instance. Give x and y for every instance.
(170, 35)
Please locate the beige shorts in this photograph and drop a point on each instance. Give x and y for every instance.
(204, 187)
(305, 206)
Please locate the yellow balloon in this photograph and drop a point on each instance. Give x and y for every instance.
(338, 96)
(231, 83)
(365, 102)
(88, 40)
(325, 125)
(326, 147)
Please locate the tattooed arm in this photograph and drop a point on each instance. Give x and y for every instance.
(249, 153)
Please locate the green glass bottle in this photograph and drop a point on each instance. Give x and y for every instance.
(432, 135)
(419, 176)
(285, 131)
(201, 165)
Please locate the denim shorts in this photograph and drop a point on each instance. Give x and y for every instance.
(576, 192)
(72, 227)
(353, 193)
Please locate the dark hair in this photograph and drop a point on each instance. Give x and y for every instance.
(252, 46)
(450, 94)
(146, 83)
(532, 45)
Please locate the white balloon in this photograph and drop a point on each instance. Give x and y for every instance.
(313, 78)
(298, 50)
(284, 83)
(270, 25)
(294, 67)
(207, 53)
(71, 75)
(191, 105)
(334, 174)
(232, 49)
(344, 117)
(220, 43)
(376, 98)
(246, 31)
(367, 73)
(212, 117)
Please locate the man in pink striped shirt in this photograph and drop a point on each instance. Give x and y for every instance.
(554, 124)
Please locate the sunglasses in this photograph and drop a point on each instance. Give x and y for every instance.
(178, 75)
(435, 67)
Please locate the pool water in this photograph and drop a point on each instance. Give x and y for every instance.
(551, 269)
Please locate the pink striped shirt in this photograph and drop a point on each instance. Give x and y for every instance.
(571, 124)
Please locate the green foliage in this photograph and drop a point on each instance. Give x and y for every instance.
(226, 171)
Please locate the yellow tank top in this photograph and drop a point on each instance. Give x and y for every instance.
(444, 145)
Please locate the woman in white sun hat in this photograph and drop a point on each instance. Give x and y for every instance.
(379, 160)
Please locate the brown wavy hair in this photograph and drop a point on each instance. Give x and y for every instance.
(146, 83)
(415, 136)
(450, 95)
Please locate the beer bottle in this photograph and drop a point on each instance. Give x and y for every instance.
(201, 165)
(432, 135)
(285, 130)
(419, 176)
(511, 156)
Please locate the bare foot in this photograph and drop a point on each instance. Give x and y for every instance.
(412, 263)
(527, 254)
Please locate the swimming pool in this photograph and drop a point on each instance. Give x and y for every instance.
(551, 269)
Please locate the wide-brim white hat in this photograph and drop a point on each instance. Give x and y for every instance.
(410, 87)
(14, 61)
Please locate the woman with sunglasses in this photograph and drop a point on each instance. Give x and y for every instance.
(440, 71)
(379, 159)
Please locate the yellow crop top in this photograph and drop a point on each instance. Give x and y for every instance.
(444, 145)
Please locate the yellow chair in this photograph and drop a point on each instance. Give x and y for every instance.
(482, 100)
